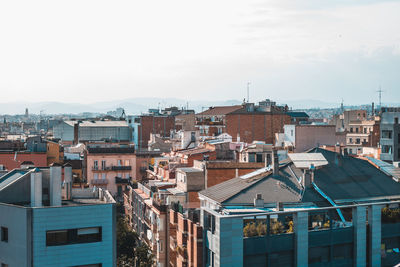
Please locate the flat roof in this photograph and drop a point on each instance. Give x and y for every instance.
(99, 123)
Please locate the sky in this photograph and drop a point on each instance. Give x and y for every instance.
(90, 51)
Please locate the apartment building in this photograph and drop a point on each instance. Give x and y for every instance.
(342, 121)
(75, 131)
(390, 134)
(362, 134)
(212, 122)
(312, 210)
(109, 166)
(300, 138)
(150, 218)
(185, 237)
(48, 223)
(151, 123)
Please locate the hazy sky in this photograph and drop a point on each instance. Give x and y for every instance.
(79, 51)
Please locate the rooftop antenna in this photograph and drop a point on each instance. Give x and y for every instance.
(380, 96)
(248, 91)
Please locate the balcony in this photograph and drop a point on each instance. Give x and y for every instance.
(112, 168)
(119, 180)
(111, 150)
(121, 168)
(99, 181)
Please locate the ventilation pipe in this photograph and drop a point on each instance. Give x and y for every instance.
(68, 181)
(55, 185)
(275, 163)
(259, 201)
(308, 178)
(36, 188)
(76, 133)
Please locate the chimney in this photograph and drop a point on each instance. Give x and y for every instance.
(259, 201)
(55, 185)
(76, 133)
(68, 181)
(308, 177)
(373, 109)
(36, 188)
(275, 163)
(337, 148)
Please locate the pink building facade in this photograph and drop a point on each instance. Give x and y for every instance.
(110, 168)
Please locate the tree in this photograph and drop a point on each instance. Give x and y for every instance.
(144, 258)
(127, 240)
(130, 252)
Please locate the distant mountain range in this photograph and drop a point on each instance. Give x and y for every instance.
(140, 105)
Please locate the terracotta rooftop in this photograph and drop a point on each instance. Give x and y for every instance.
(220, 110)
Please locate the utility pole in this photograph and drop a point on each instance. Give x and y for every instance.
(248, 92)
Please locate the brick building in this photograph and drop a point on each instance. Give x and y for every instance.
(161, 125)
(185, 238)
(211, 122)
(254, 124)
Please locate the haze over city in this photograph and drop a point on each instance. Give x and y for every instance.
(95, 51)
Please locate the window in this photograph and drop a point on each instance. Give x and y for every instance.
(350, 140)
(103, 164)
(127, 162)
(387, 134)
(95, 165)
(365, 130)
(73, 236)
(396, 120)
(259, 158)
(357, 130)
(387, 149)
(4, 234)
(210, 223)
(358, 141)
(103, 176)
(119, 162)
(96, 176)
(351, 129)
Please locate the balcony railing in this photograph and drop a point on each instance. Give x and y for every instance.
(112, 168)
(99, 181)
(121, 168)
(120, 180)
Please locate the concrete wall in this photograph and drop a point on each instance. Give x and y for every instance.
(45, 219)
(17, 251)
(310, 136)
